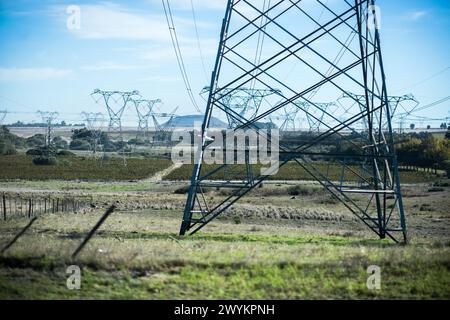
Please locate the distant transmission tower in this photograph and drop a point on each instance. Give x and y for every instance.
(394, 101)
(334, 47)
(144, 109)
(115, 103)
(94, 123)
(316, 112)
(48, 118)
(163, 123)
(2, 116)
(246, 102)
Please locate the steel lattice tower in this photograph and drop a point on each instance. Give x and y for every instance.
(334, 48)
(94, 123)
(48, 118)
(2, 116)
(115, 103)
(144, 109)
(164, 130)
(394, 101)
(244, 101)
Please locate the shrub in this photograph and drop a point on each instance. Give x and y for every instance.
(182, 190)
(34, 152)
(45, 161)
(236, 220)
(80, 145)
(7, 148)
(38, 140)
(446, 165)
(65, 153)
(301, 190)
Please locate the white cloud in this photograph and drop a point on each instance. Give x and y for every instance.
(112, 21)
(32, 74)
(416, 15)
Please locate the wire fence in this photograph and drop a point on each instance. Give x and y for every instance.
(14, 206)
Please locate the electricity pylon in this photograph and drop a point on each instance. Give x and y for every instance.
(394, 101)
(2, 116)
(335, 48)
(316, 112)
(94, 123)
(115, 103)
(287, 119)
(245, 101)
(163, 124)
(48, 118)
(144, 109)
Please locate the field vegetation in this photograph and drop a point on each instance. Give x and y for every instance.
(139, 255)
(80, 168)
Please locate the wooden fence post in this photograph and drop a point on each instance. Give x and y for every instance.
(4, 206)
(29, 208)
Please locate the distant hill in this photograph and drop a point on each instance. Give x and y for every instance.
(189, 121)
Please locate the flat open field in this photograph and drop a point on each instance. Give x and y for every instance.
(271, 245)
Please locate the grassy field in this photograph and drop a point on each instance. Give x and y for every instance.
(139, 255)
(79, 168)
(273, 244)
(319, 251)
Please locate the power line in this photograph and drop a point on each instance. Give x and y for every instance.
(426, 79)
(428, 106)
(176, 47)
(194, 17)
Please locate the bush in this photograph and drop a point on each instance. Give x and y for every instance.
(80, 145)
(34, 152)
(7, 148)
(301, 190)
(45, 161)
(65, 153)
(38, 140)
(182, 190)
(60, 143)
(446, 165)
(42, 151)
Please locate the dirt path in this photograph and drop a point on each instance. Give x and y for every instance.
(161, 174)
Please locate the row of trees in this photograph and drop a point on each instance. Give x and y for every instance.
(424, 150)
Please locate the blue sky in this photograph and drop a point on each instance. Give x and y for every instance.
(125, 45)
